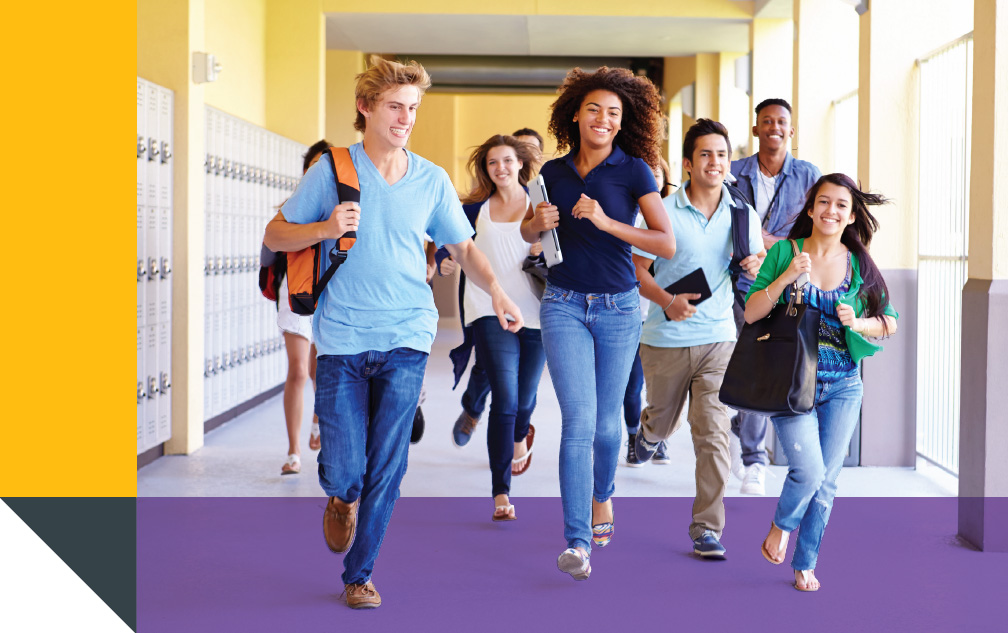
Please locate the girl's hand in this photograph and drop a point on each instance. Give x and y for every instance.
(535, 249)
(802, 263)
(544, 217)
(589, 209)
(846, 315)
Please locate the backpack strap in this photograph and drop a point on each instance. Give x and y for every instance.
(347, 190)
(739, 237)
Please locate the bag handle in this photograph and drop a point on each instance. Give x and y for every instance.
(796, 295)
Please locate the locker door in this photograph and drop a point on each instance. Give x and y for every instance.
(165, 183)
(141, 390)
(163, 431)
(141, 200)
(153, 385)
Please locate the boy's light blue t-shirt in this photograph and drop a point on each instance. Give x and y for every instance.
(379, 299)
(699, 244)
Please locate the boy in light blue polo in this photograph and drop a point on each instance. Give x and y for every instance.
(376, 319)
(685, 348)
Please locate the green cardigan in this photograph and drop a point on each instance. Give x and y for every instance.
(778, 260)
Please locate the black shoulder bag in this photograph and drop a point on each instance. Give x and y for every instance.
(772, 370)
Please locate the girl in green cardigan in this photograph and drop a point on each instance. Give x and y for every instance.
(832, 232)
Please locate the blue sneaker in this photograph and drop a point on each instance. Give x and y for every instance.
(463, 429)
(644, 449)
(660, 456)
(708, 546)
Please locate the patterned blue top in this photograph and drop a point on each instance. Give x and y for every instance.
(834, 359)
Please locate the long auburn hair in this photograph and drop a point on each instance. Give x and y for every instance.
(643, 126)
(483, 186)
(857, 237)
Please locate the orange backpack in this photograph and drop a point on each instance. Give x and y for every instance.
(305, 277)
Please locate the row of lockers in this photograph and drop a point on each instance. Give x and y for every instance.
(249, 173)
(155, 106)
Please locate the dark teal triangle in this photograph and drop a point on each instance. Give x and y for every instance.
(95, 537)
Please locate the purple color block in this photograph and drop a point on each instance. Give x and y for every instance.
(260, 564)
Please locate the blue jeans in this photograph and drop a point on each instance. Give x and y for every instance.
(590, 340)
(750, 428)
(815, 445)
(632, 399)
(365, 404)
(476, 391)
(513, 364)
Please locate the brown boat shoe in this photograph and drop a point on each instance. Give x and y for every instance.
(363, 596)
(339, 524)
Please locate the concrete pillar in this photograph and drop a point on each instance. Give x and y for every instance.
(825, 68)
(983, 434)
(771, 42)
(178, 30)
(679, 74)
(892, 36)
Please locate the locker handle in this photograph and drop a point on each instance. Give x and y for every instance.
(209, 370)
(152, 147)
(208, 163)
(165, 382)
(141, 392)
(165, 268)
(165, 152)
(220, 265)
(141, 270)
(153, 270)
(152, 387)
(141, 146)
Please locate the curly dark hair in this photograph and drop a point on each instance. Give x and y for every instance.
(643, 127)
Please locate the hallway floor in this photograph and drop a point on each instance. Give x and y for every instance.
(242, 458)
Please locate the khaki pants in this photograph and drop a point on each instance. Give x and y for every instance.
(671, 374)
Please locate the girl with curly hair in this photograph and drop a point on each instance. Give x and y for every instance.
(611, 122)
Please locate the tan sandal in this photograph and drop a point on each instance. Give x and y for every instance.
(292, 466)
(781, 551)
(807, 576)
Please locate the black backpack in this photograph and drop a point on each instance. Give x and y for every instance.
(740, 240)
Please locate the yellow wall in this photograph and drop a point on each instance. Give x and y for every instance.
(236, 35)
(893, 35)
(826, 68)
(450, 126)
(295, 69)
(340, 109)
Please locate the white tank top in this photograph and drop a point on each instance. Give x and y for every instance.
(505, 249)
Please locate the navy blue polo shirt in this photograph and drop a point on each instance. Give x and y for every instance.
(593, 260)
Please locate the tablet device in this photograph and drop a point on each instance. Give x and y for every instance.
(695, 282)
(550, 241)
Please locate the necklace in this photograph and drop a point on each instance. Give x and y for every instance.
(769, 175)
(768, 190)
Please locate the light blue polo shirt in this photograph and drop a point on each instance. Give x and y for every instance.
(699, 244)
(379, 299)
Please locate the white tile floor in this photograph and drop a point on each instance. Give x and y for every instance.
(243, 457)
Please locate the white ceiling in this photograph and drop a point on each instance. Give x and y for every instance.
(622, 36)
